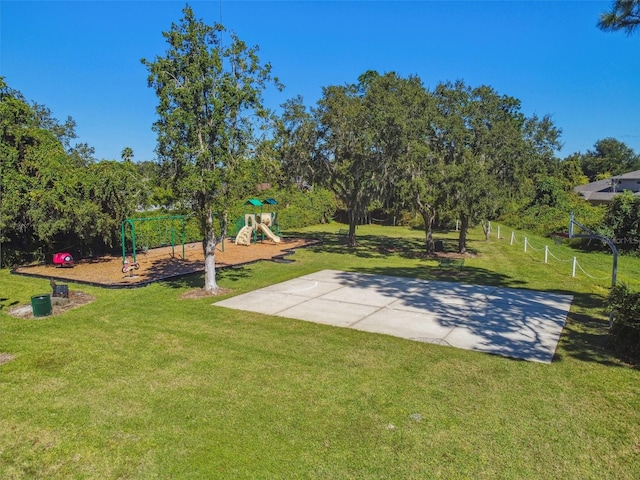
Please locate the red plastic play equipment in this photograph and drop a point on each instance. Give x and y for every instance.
(63, 259)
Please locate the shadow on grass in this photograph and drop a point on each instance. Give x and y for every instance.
(377, 246)
(2, 300)
(234, 274)
(586, 337)
(468, 275)
(196, 280)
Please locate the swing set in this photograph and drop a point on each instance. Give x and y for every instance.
(171, 219)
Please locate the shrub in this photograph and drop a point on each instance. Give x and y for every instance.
(301, 208)
(625, 330)
(545, 219)
(163, 231)
(622, 221)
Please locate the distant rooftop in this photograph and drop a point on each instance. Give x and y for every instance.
(603, 191)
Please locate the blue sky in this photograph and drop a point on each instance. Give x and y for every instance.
(82, 58)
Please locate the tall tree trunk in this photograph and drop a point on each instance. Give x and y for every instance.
(462, 238)
(428, 217)
(209, 245)
(486, 229)
(353, 218)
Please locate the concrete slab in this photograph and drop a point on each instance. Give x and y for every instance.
(361, 296)
(303, 287)
(329, 312)
(515, 323)
(359, 280)
(419, 326)
(270, 303)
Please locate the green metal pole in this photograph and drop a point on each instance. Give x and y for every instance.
(124, 252)
(182, 226)
(133, 239)
(173, 239)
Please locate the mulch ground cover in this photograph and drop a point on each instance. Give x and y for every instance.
(161, 263)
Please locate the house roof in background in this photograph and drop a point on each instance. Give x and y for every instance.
(600, 191)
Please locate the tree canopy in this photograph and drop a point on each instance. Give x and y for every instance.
(609, 157)
(624, 15)
(51, 196)
(458, 152)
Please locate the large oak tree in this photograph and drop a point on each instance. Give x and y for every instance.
(348, 142)
(490, 150)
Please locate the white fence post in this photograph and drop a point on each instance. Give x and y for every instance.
(513, 236)
(498, 232)
(546, 254)
(457, 223)
(575, 262)
(525, 244)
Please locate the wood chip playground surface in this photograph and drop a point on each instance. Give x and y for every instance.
(162, 263)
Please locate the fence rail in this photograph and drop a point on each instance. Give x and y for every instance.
(533, 249)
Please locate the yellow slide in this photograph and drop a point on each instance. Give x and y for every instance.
(267, 231)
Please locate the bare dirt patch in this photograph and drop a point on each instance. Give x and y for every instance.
(59, 305)
(5, 358)
(202, 293)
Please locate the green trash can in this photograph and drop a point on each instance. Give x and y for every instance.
(41, 305)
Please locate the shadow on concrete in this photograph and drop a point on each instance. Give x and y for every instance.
(584, 337)
(519, 324)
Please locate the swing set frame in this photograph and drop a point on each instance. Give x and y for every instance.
(132, 223)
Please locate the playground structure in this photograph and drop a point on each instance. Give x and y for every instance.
(258, 222)
(157, 238)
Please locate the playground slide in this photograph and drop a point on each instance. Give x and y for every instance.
(244, 236)
(267, 231)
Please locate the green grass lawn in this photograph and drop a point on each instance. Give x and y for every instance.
(143, 384)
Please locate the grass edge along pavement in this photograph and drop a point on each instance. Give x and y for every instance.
(143, 384)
